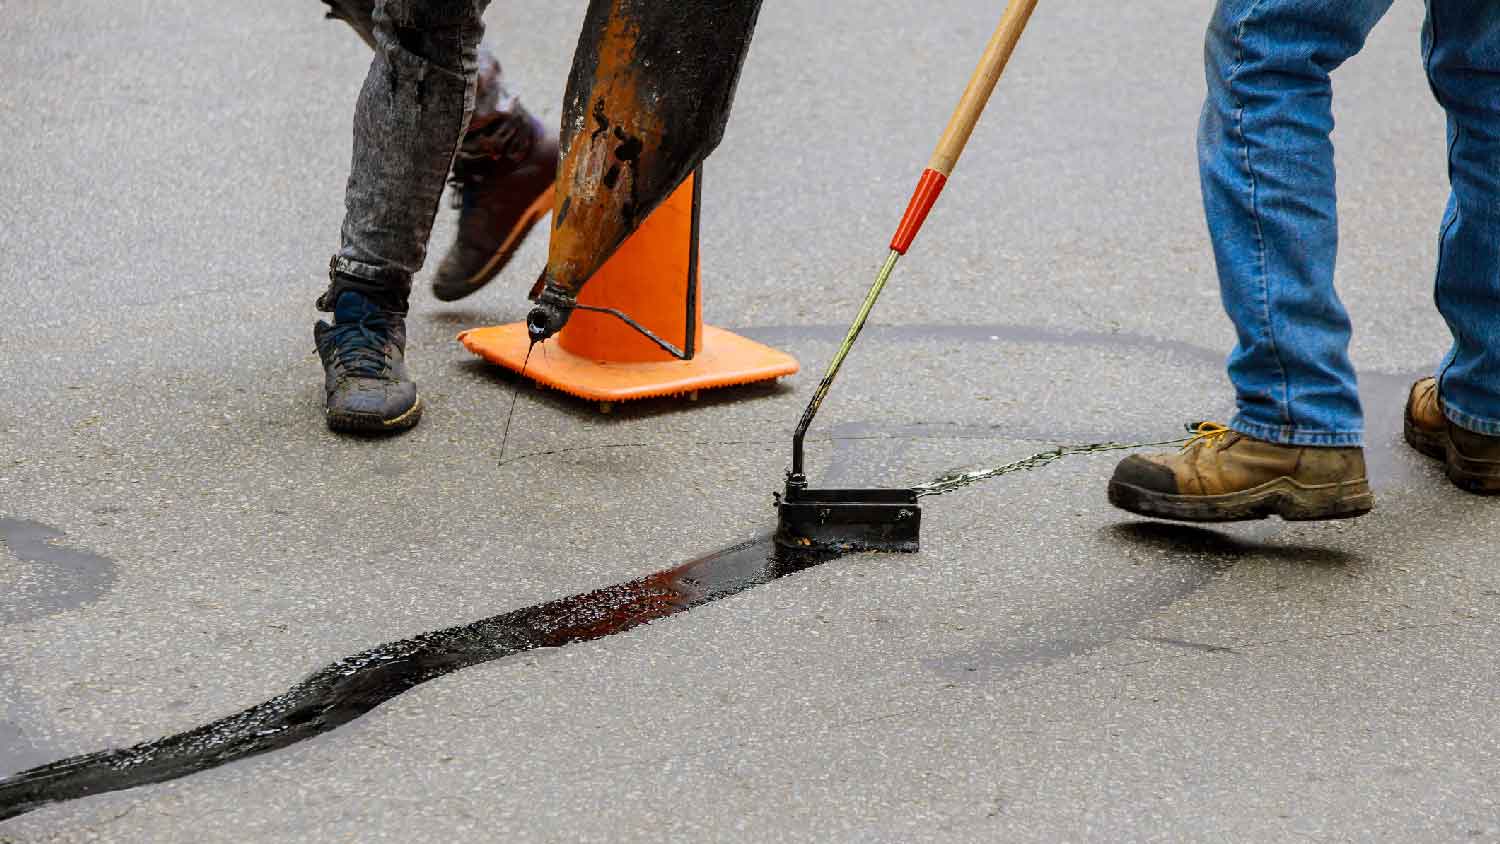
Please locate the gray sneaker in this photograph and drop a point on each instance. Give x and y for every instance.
(364, 366)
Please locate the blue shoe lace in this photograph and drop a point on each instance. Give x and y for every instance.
(359, 346)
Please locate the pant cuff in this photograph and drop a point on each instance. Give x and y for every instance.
(1470, 422)
(389, 288)
(1287, 435)
(372, 273)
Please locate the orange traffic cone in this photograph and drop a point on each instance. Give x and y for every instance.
(652, 278)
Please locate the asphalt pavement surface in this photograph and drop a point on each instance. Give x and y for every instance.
(183, 538)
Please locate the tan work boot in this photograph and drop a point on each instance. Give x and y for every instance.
(1225, 476)
(1472, 460)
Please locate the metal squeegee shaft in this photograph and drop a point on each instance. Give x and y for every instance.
(838, 361)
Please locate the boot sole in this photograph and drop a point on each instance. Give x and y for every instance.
(1282, 497)
(1426, 442)
(539, 208)
(364, 423)
(1481, 477)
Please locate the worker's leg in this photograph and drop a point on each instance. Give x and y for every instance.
(1457, 418)
(408, 121)
(1461, 45)
(1266, 164)
(410, 116)
(502, 177)
(493, 101)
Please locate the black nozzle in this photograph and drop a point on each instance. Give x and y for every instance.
(549, 315)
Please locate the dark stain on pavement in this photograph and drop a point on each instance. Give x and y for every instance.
(59, 578)
(54, 579)
(351, 687)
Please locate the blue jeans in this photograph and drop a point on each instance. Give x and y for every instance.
(1266, 164)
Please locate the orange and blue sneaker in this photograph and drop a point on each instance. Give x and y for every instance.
(503, 182)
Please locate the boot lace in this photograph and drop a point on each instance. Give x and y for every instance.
(1207, 435)
(359, 347)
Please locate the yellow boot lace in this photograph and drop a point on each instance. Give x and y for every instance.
(1208, 434)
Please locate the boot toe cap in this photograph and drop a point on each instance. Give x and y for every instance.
(1140, 472)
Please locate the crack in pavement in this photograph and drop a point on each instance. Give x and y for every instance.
(347, 689)
(1192, 646)
(353, 686)
(904, 433)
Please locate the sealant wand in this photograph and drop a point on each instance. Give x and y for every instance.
(885, 519)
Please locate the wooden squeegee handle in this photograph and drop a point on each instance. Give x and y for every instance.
(961, 125)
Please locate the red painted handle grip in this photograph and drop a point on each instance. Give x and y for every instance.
(922, 200)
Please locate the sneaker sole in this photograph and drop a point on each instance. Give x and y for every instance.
(1481, 477)
(539, 208)
(364, 423)
(1282, 497)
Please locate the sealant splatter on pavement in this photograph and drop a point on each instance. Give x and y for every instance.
(66, 577)
(353, 686)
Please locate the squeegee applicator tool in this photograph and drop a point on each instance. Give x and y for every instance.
(888, 519)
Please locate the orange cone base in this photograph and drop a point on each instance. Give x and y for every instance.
(724, 360)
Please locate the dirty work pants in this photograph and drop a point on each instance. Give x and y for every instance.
(1266, 164)
(428, 78)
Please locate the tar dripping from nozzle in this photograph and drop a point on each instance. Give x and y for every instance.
(549, 314)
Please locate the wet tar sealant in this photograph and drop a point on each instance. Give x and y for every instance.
(347, 689)
(351, 687)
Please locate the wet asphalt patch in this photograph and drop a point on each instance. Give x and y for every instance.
(351, 687)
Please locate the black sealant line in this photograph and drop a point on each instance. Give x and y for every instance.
(351, 687)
